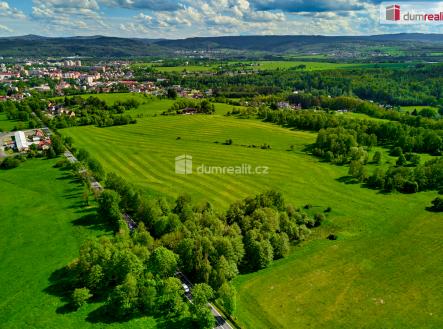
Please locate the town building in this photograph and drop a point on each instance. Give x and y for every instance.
(20, 141)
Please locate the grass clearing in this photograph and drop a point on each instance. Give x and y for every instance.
(409, 109)
(383, 271)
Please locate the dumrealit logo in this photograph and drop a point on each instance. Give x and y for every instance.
(411, 13)
(184, 166)
(393, 13)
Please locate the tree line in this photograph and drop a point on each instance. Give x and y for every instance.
(365, 132)
(92, 111)
(204, 106)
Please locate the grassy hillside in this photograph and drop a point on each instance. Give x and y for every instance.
(383, 271)
(42, 225)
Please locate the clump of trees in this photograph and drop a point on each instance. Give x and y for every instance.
(338, 145)
(427, 176)
(11, 162)
(135, 271)
(357, 132)
(24, 111)
(93, 111)
(204, 106)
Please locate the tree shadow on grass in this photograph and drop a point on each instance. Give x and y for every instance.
(60, 286)
(432, 209)
(92, 222)
(67, 175)
(175, 323)
(102, 315)
(76, 204)
(105, 316)
(347, 180)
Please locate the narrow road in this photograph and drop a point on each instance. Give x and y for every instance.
(94, 184)
(98, 188)
(220, 320)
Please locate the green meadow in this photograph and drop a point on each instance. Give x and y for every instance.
(43, 224)
(384, 271)
(269, 65)
(5, 124)
(409, 109)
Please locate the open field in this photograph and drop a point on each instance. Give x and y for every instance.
(144, 153)
(270, 65)
(5, 124)
(384, 271)
(42, 224)
(409, 109)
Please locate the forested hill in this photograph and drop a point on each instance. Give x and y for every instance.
(287, 42)
(95, 46)
(101, 46)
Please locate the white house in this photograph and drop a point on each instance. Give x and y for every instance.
(20, 141)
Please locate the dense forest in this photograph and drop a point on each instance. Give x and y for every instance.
(416, 85)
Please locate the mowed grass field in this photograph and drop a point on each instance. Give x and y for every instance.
(43, 224)
(385, 269)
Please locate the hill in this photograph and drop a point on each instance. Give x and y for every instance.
(102, 46)
(95, 46)
(280, 43)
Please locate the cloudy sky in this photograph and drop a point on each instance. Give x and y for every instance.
(187, 18)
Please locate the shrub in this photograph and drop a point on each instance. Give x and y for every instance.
(377, 157)
(319, 218)
(10, 163)
(332, 237)
(80, 297)
(437, 204)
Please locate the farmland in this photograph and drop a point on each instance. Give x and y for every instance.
(266, 66)
(383, 271)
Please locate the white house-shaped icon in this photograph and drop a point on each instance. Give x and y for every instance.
(183, 164)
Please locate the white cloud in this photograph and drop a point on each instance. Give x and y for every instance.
(7, 11)
(187, 18)
(5, 28)
(206, 17)
(164, 5)
(69, 16)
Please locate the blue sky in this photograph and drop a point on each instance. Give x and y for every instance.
(188, 18)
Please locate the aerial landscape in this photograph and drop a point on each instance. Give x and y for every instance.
(228, 164)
